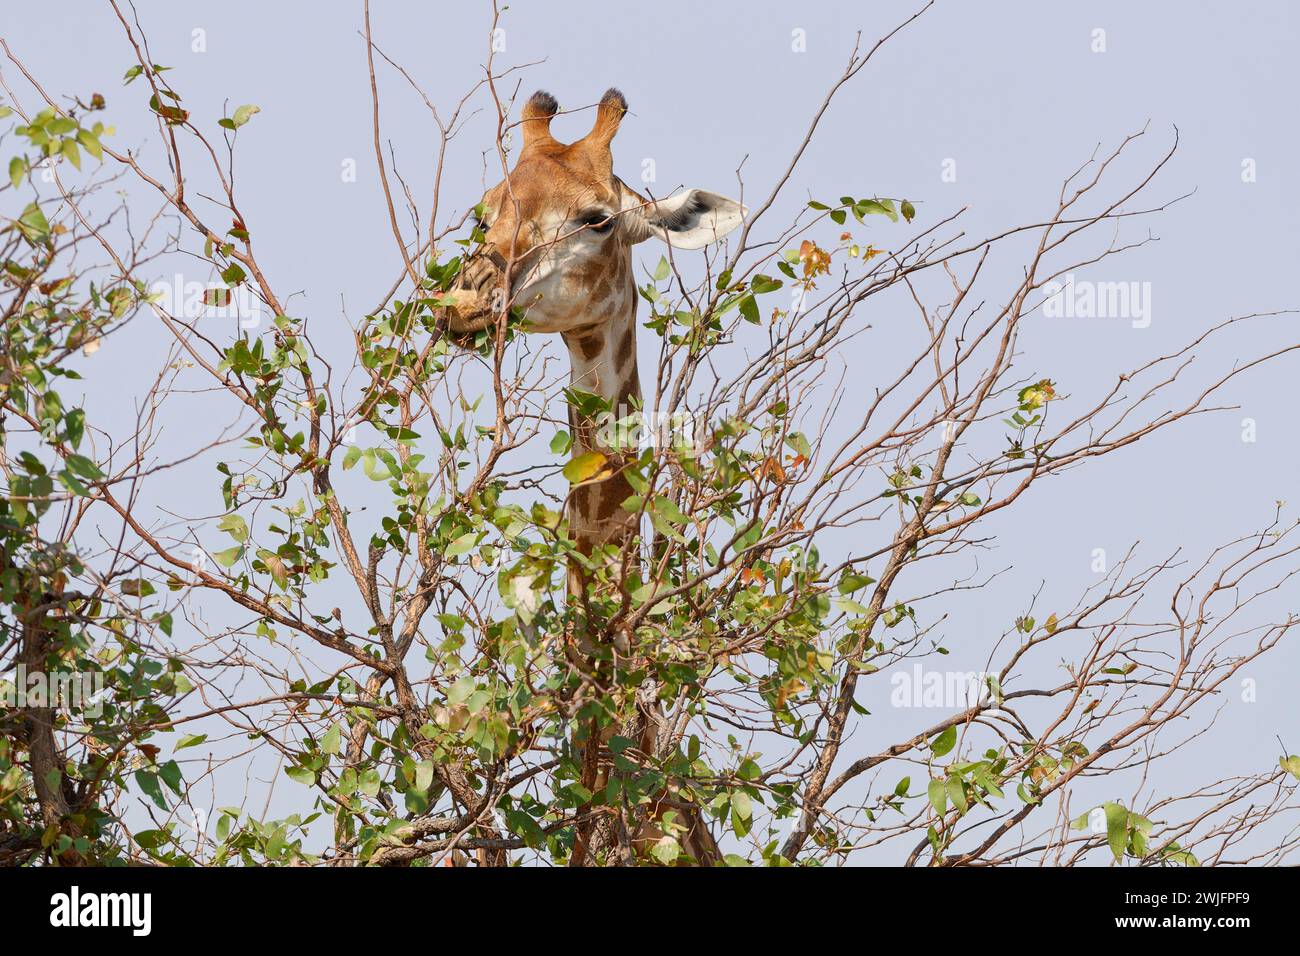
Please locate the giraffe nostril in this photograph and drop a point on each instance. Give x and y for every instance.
(484, 274)
(479, 276)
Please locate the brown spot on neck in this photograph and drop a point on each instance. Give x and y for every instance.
(589, 343)
(626, 352)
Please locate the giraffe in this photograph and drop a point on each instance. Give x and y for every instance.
(558, 236)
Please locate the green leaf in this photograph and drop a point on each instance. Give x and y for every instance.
(148, 782)
(1291, 765)
(459, 692)
(854, 582)
(799, 443)
(462, 545)
(228, 557)
(662, 270)
(70, 150)
(561, 443)
(301, 775)
(171, 775)
(584, 466)
(75, 425)
(957, 794)
(403, 436)
(89, 140)
(84, 467)
(151, 839)
(742, 812)
(33, 224)
(876, 207)
(17, 167)
(938, 793)
(369, 783)
(666, 851)
(10, 782)
(191, 740)
(944, 742)
(137, 587)
(1116, 829)
(73, 484)
(332, 740)
(1176, 854)
(667, 509)
(235, 526)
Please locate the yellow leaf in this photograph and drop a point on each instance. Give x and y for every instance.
(1050, 624)
(584, 466)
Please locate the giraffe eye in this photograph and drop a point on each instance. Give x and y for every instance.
(598, 221)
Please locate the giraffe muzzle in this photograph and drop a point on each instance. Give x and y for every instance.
(483, 272)
(477, 294)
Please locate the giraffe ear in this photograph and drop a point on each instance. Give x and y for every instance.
(689, 220)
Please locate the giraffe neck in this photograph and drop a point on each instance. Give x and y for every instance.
(602, 360)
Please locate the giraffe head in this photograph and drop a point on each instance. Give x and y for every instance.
(559, 229)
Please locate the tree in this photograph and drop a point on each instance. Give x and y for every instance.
(402, 648)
